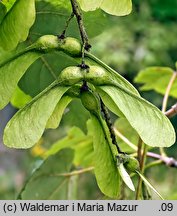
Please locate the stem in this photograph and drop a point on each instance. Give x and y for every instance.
(165, 101)
(142, 166)
(62, 36)
(122, 137)
(77, 12)
(139, 151)
(110, 125)
(77, 172)
(154, 163)
(167, 92)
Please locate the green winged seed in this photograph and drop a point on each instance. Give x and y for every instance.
(71, 46)
(97, 75)
(68, 45)
(90, 101)
(46, 43)
(132, 164)
(71, 75)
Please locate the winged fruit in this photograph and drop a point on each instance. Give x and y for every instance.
(132, 164)
(71, 75)
(68, 45)
(97, 75)
(90, 101)
(71, 46)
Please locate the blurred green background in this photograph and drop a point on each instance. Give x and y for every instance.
(146, 37)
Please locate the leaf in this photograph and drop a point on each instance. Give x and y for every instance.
(149, 184)
(56, 116)
(114, 76)
(124, 127)
(90, 5)
(16, 24)
(11, 72)
(50, 173)
(2, 12)
(117, 7)
(56, 12)
(74, 136)
(114, 7)
(8, 3)
(26, 127)
(106, 172)
(157, 79)
(150, 123)
(126, 177)
(43, 72)
(19, 98)
(76, 115)
(77, 140)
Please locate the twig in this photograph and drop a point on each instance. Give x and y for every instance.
(83, 33)
(62, 36)
(172, 111)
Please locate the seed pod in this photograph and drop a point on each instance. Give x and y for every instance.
(71, 46)
(74, 91)
(71, 75)
(132, 164)
(46, 43)
(97, 75)
(90, 101)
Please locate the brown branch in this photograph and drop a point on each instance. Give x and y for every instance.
(79, 17)
(169, 161)
(172, 111)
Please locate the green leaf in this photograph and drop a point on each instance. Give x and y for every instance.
(44, 71)
(117, 7)
(11, 71)
(26, 127)
(126, 177)
(77, 140)
(16, 24)
(55, 12)
(114, 7)
(124, 127)
(56, 116)
(157, 79)
(150, 123)
(114, 76)
(19, 98)
(77, 115)
(90, 5)
(8, 3)
(50, 173)
(2, 11)
(104, 161)
(74, 136)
